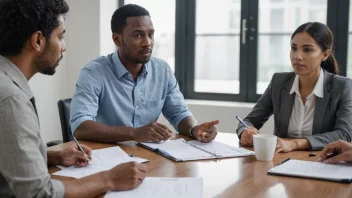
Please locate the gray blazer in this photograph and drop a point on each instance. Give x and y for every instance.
(332, 116)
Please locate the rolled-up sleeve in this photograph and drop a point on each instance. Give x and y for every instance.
(84, 105)
(175, 108)
(22, 152)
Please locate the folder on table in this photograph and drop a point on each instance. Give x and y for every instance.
(181, 150)
(341, 172)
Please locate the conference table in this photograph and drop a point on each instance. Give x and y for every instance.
(233, 177)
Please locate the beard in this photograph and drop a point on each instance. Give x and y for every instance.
(45, 63)
(134, 59)
(47, 69)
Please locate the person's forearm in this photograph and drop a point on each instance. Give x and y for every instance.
(90, 186)
(186, 124)
(97, 132)
(301, 144)
(53, 157)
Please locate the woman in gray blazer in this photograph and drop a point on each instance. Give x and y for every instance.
(312, 105)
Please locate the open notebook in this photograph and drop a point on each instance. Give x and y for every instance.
(181, 150)
(341, 172)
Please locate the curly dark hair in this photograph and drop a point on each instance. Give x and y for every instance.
(118, 20)
(21, 18)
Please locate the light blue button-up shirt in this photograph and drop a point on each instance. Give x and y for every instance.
(107, 93)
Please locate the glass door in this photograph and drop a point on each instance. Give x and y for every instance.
(217, 46)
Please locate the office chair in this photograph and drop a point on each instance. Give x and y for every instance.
(64, 112)
(64, 106)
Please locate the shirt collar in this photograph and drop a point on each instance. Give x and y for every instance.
(12, 71)
(121, 70)
(318, 88)
(295, 85)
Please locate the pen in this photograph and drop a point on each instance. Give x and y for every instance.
(239, 119)
(80, 148)
(284, 161)
(330, 155)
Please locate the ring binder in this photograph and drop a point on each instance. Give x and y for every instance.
(181, 150)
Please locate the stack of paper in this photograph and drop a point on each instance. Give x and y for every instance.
(102, 159)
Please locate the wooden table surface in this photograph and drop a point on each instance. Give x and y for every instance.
(234, 177)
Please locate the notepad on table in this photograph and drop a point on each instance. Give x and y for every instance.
(158, 187)
(181, 150)
(341, 172)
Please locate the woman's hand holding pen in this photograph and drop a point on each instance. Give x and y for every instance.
(343, 150)
(247, 136)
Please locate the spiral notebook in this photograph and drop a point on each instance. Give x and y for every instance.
(181, 150)
(341, 172)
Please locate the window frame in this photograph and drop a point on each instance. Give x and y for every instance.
(337, 20)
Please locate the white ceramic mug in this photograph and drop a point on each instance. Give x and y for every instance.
(264, 146)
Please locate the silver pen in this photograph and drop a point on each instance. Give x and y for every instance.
(239, 119)
(80, 148)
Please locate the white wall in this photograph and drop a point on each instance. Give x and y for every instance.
(47, 91)
(225, 112)
(107, 8)
(82, 42)
(88, 36)
(82, 37)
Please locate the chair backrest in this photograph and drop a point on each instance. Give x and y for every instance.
(64, 112)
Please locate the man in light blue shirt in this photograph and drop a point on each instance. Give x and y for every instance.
(120, 96)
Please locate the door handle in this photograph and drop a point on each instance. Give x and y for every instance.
(244, 31)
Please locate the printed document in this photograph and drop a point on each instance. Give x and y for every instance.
(158, 187)
(102, 159)
(341, 172)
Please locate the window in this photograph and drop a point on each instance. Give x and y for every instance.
(277, 21)
(229, 49)
(217, 46)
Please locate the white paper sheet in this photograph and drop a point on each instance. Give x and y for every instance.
(317, 170)
(102, 159)
(157, 187)
(221, 149)
(180, 150)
